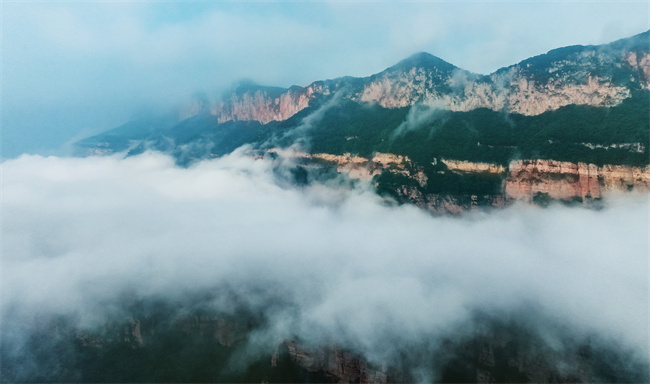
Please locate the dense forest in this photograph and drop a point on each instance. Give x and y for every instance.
(575, 133)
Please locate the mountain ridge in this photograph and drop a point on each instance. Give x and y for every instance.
(598, 75)
(422, 59)
(635, 42)
(581, 105)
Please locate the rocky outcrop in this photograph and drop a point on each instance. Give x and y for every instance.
(523, 180)
(641, 62)
(448, 204)
(511, 91)
(342, 366)
(361, 168)
(356, 167)
(472, 167)
(565, 181)
(528, 97)
(265, 104)
(418, 78)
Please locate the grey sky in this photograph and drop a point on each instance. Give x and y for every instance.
(70, 69)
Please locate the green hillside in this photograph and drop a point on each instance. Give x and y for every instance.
(479, 135)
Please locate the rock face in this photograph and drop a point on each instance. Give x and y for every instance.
(342, 366)
(523, 180)
(421, 77)
(361, 168)
(468, 166)
(511, 90)
(641, 62)
(565, 181)
(600, 76)
(265, 104)
(528, 97)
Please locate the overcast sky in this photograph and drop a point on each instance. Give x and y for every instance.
(70, 69)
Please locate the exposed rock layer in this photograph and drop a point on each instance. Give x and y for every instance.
(564, 180)
(260, 105)
(523, 180)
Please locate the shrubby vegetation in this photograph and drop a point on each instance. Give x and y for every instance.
(483, 135)
(480, 135)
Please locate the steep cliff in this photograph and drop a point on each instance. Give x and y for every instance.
(426, 132)
(600, 76)
(264, 104)
(361, 168)
(530, 181)
(572, 79)
(566, 181)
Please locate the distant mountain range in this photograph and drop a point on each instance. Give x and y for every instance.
(428, 132)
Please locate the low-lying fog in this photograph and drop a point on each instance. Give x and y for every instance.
(78, 233)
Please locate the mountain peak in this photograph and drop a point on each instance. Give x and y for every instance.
(423, 60)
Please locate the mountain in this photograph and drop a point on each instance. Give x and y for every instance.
(568, 125)
(588, 75)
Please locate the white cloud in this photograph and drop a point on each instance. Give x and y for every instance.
(77, 232)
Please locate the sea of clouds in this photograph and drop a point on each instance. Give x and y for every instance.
(77, 233)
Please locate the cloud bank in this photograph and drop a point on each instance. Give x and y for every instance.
(79, 233)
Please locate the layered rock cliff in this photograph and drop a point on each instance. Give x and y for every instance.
(361, 168)
(473, 167)
(565, 181)
(522, 180)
